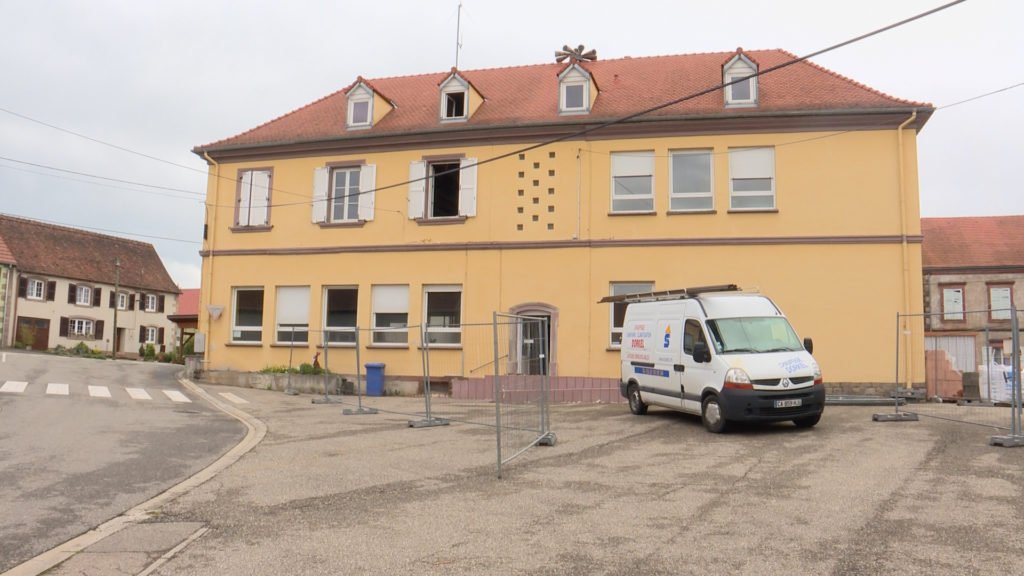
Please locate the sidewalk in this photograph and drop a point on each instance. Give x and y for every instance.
(324, 493)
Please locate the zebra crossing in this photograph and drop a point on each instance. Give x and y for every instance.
(99, 391)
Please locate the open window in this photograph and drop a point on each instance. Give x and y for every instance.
(340, 307)
(442, 189)
(454, 98)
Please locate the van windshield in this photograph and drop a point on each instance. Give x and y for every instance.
(757, 335)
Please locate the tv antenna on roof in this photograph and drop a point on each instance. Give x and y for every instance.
(458, 35)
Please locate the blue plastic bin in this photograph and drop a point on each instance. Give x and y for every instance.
(374, 378)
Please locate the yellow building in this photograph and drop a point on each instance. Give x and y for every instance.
(441, 198)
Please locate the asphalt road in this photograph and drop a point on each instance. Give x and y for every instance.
(70, 462)
(325, 493)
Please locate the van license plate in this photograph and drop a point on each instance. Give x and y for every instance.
(789, 403)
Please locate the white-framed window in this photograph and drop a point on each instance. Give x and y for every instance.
(442, 188)
(1000, 298)
(122, 301)
(247, 315)
(953, 303)
(390, 314)
(442, 314)
(292, 308)
(744, 92)
(344, 193)
(83, 295)
(617, 314)
(341, 304)
(151, 332)
(454, 99)
(151, 302)
(80, 327)
(253, 200)
(574, 91)
(632, 182)
(691, 174)
(752, 178)
(35, 289)
(360, 107)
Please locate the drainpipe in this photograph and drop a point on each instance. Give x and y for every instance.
(211, 230)
(909, 364)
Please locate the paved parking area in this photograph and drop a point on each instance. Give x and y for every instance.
(325, 493)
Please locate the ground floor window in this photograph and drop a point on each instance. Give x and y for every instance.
(247, 315)
(618, 309)
(79, 327)
(340, 307)
(390, 314)
(292, 314)
(442, 314)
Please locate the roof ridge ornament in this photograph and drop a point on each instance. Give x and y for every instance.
(578, 54)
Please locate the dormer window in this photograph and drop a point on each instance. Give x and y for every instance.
(574, 91)
(454, 98)
(360, 107)
(743, 92)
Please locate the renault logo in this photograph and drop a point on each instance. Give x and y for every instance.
(785, 382)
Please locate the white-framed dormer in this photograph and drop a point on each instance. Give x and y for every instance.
(741, 84)
(454, 99)
(575, 90)
(360, 107)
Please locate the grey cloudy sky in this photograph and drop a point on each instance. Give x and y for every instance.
(161, 76)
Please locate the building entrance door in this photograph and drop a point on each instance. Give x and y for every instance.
(33, 333)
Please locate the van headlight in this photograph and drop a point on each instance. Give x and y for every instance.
(817, 375)
(737, 379)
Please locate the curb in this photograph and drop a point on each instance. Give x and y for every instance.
(256, 430)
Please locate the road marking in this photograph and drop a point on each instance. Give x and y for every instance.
(234, 398)
(13, 387)
(176, 396)
(99, 391)
(58, 389)
(138, 394)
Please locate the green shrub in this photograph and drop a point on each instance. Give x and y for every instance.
(81, 349)
(142, 350)
(150, 352)
(274, 370)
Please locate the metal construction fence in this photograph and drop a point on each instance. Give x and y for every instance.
(972, 372)
(491, 375)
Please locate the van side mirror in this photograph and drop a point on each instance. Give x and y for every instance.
(701, 353)
(809, 345)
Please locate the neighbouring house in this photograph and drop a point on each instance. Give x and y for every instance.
(6, 276)
(440, 198)
(973, 274)
(187, 317)
(69, 286)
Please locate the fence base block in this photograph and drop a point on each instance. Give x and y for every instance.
(895, 417)
(428, 422)
(548, 439)
(328, 400)
(1007, 441)
(357, 411)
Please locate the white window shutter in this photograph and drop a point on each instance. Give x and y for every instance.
(321, 182)
(367, 187)
(260, 214)
(417, 188)
(244, 198)
(467, 187)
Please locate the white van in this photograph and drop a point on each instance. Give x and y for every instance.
(727, 355)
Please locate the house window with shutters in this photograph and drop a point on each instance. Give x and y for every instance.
(343, 194)
(252, 204)
(36, 289)
(151, 301)
(150, 334)
(442, 190)
(953, 303)
(79, 328)
(122, 301)
(1000, 302)
(83, 295)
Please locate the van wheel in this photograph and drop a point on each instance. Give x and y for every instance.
(807, 421)
(711, 414)
(636, 404)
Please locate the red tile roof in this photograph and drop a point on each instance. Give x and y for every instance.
(6, 257)
(977, 241)
(528, 95)
(188, 302)
(53, 250)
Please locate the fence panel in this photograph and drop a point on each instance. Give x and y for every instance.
(969, 370)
